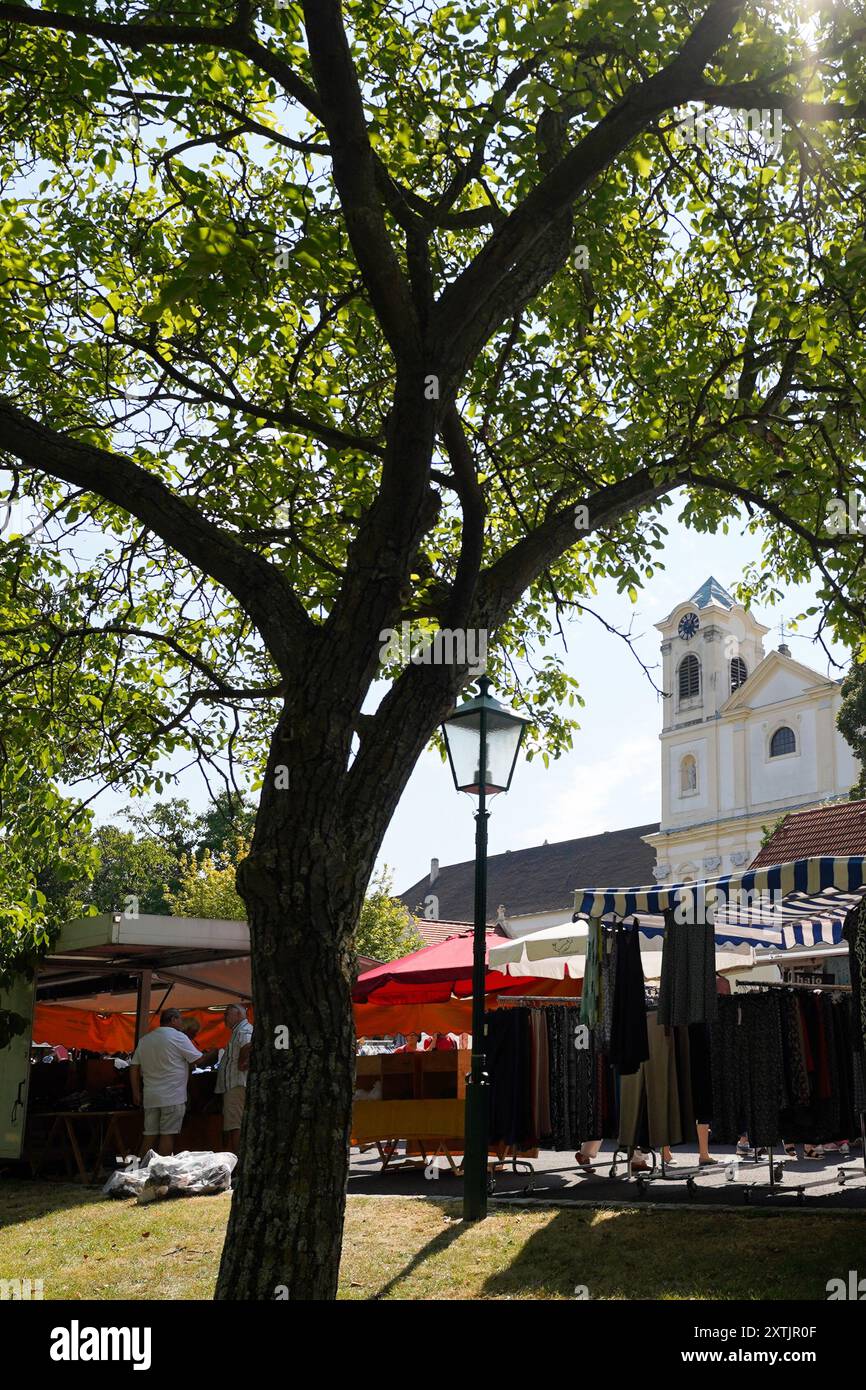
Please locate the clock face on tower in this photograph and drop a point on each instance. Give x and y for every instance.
(689, 624)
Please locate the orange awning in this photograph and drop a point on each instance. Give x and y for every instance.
(59, 1024)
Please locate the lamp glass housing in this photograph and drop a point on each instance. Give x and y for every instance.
(504, 734)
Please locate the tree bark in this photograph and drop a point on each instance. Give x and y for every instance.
(285, 1230)
(303, 884)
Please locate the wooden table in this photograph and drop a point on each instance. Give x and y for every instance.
(101, 1129)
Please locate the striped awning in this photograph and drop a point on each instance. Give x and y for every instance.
(803, 903)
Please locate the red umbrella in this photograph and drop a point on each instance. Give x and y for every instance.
(432, 975)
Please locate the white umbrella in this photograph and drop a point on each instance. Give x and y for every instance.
(546, 954)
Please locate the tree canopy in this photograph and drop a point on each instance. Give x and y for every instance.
(204, 304)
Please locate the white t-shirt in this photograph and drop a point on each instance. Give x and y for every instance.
(164, 1057)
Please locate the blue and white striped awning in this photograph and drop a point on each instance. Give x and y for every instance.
(803, 903)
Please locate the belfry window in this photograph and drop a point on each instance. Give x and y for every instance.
(690, 678)
(739, 672)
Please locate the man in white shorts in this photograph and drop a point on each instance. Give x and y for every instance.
(162, 1061)
(232, 1073)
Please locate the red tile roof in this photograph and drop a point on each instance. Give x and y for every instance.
(839, 829)
(434, 932)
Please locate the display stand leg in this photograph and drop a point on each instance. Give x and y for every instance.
(845, 1174)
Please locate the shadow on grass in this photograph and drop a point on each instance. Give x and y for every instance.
(23, 1199)
(437, 1246)
(695, 1255)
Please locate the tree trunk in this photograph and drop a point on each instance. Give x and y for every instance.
(303, 886)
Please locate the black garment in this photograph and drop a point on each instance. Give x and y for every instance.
(563, 1092)
(859, 1087)
(793, 1052)
(629, 1045)
(746, 1064)
(700, 1073)
(854, 932)
(687, 989)
(829, 1110)
(509, 1067)
(582, 1105)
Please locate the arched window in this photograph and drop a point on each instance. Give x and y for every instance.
(690, 677)
(782, 742)
(738, 673)
(688, 774)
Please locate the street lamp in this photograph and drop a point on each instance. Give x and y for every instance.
(483, 739)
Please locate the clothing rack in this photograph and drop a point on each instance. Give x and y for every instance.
(775, 1168)
(536, 1001)
(792, 984)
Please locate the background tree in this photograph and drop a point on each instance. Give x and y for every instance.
(207, 888)
(851, 721)
(308, 328)
(385, 928)
(131, 867)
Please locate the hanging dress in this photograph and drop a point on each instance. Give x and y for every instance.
(629, 1044)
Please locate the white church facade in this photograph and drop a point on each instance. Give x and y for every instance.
(747, 736)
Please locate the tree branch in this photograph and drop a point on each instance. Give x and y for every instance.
(286, 418)
(501, 278)
(255, 582)
(356, 178)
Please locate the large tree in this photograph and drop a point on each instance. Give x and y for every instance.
(318, 318)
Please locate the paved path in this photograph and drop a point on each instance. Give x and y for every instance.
(558, 1179)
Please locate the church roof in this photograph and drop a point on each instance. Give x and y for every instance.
(838, 829)
(542, 878)
(711, 591)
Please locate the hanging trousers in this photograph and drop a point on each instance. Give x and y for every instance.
(649, 1098)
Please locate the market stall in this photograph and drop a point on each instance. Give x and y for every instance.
(418, 1096)
(64, 1082)
(662, 1056)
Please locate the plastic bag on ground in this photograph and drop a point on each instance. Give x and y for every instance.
(185, 1174)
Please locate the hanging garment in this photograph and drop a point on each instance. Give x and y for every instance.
(688, 1119)
(843, 1077)
(582, 1104)
(540, 1075)
(629, 1045)
(854, 932)
(700, 1073)
(687, 989)
(746, 1066)
(793, 1052)
(509, 1068)
(607, 980)
(649, 1098)
(859, 1086)
(830, 1107)
(589, 999)
(562, 1124)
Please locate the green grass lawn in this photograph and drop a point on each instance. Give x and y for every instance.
(84, 1246)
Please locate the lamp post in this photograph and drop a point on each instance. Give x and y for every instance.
(483, 739)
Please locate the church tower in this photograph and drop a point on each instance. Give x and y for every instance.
(745, 737)
(709, 646)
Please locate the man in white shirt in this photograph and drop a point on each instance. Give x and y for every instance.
(231, 1081)
(162, 1060)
